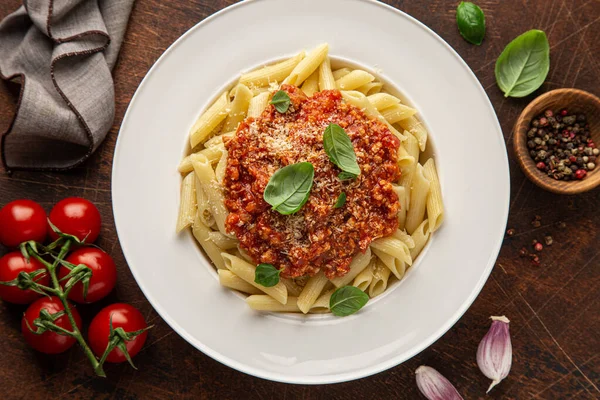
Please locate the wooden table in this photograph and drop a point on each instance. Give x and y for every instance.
(554, 308)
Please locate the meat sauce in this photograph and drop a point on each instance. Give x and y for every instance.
(318, 236)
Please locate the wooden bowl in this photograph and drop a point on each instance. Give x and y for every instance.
(576, 101)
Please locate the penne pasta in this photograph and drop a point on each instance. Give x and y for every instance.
(258, 104)
(339, 73)
(405, 237)
(238, 107)
(308, 65)
(359, 263)
(379, 283)
(383, 100)
(311, 291)
(412, 148)
(218, 141)
(397, 113)
(364, 279)
(246, 271)
(354, 80)
(360, 100)
(435, 205)
(230, 280)
(212, 189)
(187, 204)
(326, 79)
(405, 159)
(418, 200)
(311, 85)
(221, 241)
(321, 305)
(208, 121)
(420, 237)
(271, 73)
(370, 88)
(414, 126)
(402, 199)
(261, 302)
(221, 166)
(201, 233)
(203, 208)
(292, 287)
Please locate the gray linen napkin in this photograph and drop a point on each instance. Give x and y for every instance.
(62, 51)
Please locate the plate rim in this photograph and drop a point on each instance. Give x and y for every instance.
(328, 378)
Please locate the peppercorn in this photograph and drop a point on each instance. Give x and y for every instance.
(531, 144)
(564, 112)
(591, 166)
(536, 224)
(548, 239)
(561, 225)
(535, 259)
(523, 252)
(531, 133)
(580, 173)
(538, 247)
(581, 118)
(540, 165)
(596, 152)
(568, 120)
(548, 113)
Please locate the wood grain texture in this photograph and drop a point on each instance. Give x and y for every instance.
(553, 308)
(577, 101)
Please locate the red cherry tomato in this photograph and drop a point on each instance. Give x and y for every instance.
(20, 221)
(77, 217)
(104, 274)
(49, 342)
(123, 316)
(11, 265)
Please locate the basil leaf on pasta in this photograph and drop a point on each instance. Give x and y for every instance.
(266, 275)
(347, 300)
(281, 101)
(341, 200)
(289, 188)
(338, 147)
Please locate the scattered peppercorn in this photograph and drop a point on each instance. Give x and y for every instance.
(536, 223)
(538, 247)
(510, 232)
(535, 259)
(523, 252)
(548, 240)
(561, 145)
(562, 225)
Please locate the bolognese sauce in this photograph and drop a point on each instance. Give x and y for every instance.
(318, 236)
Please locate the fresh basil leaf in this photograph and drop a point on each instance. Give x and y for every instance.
(289, 188)
(347, 300)
(341, 200)
(343, 176)
(471, 22)
(338, 147)
(266, 275)
(281, 101)
(523, 65)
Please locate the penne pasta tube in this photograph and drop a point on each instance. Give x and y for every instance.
(212, 189)
(238, 107)
(383, 100)
(405, 159)
(311, 291)
(213, 252)
(397, 113)
(339, 73)
(360, 100)
(261, 302)
(219, 140)
(203, 208)
(230, 280)
(395, 265)
(208, 121)
(292, 287)
(221, 241)
(364, 279)
(326, 79)
(379, 283)
(308, 65)
(243, 254)
(414, 126)
(370, 88)
(271, 73)
(394, 247)
(187, 204)
(412, 148)
(359, 263)
(321, 305)
(420, 237)
(402, 199)
(221, 166)
(246, 271)
(405, 237)
(435, 205)
(258, 104)
(354, 80)
(418, 200)
(311, 85)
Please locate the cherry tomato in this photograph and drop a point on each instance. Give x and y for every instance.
(123, 316)
(77, 217)
(104, 274)
(20, 221)
(11, 265)
(49, 342)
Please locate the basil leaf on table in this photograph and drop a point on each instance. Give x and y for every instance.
(523, 65)
(289, 187)
(266, 275)
(281, 101)
(347, 300)
(471, 22)
(338, 147)
(341, 200)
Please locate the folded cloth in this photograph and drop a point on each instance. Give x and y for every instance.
(62, 51)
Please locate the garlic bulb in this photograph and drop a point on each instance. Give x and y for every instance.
(494, 355)
(434, 385)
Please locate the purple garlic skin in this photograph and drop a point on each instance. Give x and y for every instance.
(434, 385)
(494, 354)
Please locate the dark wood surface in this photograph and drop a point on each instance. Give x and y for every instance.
(554, 308)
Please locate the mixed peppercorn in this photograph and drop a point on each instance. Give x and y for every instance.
(561, 145)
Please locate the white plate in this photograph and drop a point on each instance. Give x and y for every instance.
(177, 279)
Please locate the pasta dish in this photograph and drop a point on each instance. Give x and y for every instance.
(307, 186)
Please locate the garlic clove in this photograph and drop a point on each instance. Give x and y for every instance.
(434, 385)
(494, 354)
